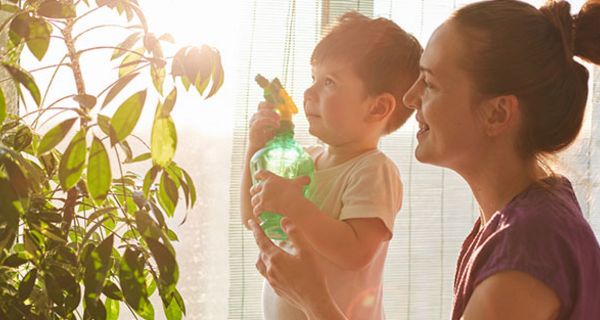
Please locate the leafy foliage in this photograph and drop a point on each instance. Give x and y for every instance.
(75, 235)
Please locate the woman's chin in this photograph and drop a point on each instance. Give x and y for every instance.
(423, 155)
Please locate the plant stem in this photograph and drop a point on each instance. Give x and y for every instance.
(75, 66)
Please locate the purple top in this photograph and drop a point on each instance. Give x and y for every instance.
(543, 233)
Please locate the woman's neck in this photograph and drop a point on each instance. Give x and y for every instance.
(498, 180)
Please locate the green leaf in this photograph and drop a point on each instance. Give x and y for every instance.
(168, 105)
(167, 265)
(23, 77)
(112, 291)
(127, 116)
(50, 231)
(57, 10)
(158, 77)
(159, 216)
(163, 141)
(130, 62)
(19, 27)
(218, 75)
(179, 300)
(167, 194)
(190, 184)
(104, 124)
(17, 176)
(38, 39)
(140, 158)
(146, 226)
(172, 235)
(86, 100)
(149, 179)
(173, 311)
(9, 8)
(94, 309)
(22, 138)
(127, 149)
(49, 162)
(122, 47)
(112, 309)
(62, 289)
(99, 175)
(133, 284)
(54, 289)
(72, 162)
(117, 87)
(96, 268)
(202, 84)
(26, 285)
(16, 259)
(177, 66)
(151, 285)
(55, 135)
(167, 37)
(101, 213)
(2, 107)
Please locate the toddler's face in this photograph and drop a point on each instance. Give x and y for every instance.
(337, 103)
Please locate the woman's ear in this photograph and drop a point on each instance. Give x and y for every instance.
(382, 107)
(500, 114)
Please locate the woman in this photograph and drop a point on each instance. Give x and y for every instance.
(499, 92)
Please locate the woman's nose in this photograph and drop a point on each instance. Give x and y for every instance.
(412, 97)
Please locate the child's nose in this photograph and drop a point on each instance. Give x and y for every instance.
(309, 94)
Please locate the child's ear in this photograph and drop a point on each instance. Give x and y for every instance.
(500, 114)
(382, 107)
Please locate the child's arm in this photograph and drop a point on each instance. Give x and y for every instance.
(350, 244)
(262, 129)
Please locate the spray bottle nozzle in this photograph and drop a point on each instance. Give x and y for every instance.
(276, 94)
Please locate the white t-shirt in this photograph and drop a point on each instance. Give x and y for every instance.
(367, 186)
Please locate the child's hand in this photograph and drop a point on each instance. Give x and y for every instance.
(276, 194)
(263, 126)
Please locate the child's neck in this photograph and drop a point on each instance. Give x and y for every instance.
(338, 154)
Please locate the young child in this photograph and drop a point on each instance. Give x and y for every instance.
(361, 69)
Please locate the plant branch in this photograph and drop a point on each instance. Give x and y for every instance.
(99, 27)
(86, 14)
(52, 79)
(75, 66)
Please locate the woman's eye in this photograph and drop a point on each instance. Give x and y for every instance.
(328, 82)
(426, 84)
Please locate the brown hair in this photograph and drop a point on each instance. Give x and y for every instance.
(518, 49)
(385, 57)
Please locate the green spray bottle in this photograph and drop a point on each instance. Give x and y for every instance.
(282, 155)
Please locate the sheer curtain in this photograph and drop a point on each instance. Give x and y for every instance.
(438, 210)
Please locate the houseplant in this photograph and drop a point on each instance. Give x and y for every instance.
(79, 236)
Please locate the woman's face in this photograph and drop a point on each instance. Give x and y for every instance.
(450, 132)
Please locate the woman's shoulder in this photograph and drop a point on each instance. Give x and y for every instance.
(544, 217)
(547, 201)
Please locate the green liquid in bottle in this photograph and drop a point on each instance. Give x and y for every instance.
(283, 156)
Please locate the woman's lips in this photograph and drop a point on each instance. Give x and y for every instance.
(423, 129)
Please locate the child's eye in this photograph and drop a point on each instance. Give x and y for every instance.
(329, 82)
